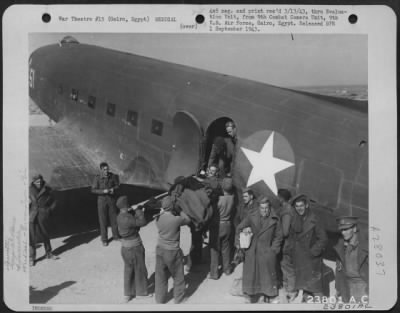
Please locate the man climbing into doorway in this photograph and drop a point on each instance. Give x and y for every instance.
(223, 150)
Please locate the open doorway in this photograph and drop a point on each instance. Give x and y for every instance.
(185, 155)
(215, 130)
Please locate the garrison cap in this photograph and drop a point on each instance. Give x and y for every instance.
(345, 222)
(36, 177)
(122, 202)
(299, 197)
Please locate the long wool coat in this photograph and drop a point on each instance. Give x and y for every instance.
(342, 285)
(42, 203)
(307, 248)
(259, 268)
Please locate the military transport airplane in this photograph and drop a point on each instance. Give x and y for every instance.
(154, 120)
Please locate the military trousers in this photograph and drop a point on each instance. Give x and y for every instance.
(39, 231)
(220, 245)
(169, 263)
(107, 210)
(357, 288)
(196, 248)
(135, 271)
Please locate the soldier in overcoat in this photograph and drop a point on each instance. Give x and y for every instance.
(352, 266)
(259, 268)
(308, 240)
(42, 204)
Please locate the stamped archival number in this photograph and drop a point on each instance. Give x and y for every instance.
(378, 251)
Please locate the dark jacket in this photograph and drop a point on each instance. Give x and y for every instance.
(285, 214)
(342, 286)
(101, 182)
(196, 204)
(41, 201)
(223, 154)
(307, 247)
(259, 268)
(244, 210)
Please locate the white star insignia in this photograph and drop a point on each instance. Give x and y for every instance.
(265, 165)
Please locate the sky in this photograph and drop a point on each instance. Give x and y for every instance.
(307, 60)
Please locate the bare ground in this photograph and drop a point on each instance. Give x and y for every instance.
(88, 273)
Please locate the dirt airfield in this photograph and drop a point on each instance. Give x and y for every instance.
(88, 273)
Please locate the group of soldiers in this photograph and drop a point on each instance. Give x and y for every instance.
(286, 246)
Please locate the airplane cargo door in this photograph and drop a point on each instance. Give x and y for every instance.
(185, 152)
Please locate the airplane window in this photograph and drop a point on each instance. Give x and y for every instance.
(74, 95)
(60, 89)
(92, 102)
(156, 127)
(111, 109)
(132, 118)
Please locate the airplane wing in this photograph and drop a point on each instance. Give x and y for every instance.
(63, 164)
(358, 105)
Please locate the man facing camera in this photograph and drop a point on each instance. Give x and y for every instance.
(105, 186)
(308, 240)
(259, 268)
(351, 261)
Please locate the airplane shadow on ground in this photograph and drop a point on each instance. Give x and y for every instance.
(43, 296)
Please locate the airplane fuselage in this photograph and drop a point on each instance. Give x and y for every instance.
(154, 120)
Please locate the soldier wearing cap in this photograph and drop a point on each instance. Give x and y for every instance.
(351, 261)
(41, 205)
(223, 150)
(308, 240)
(169, 257)
(129, 221)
